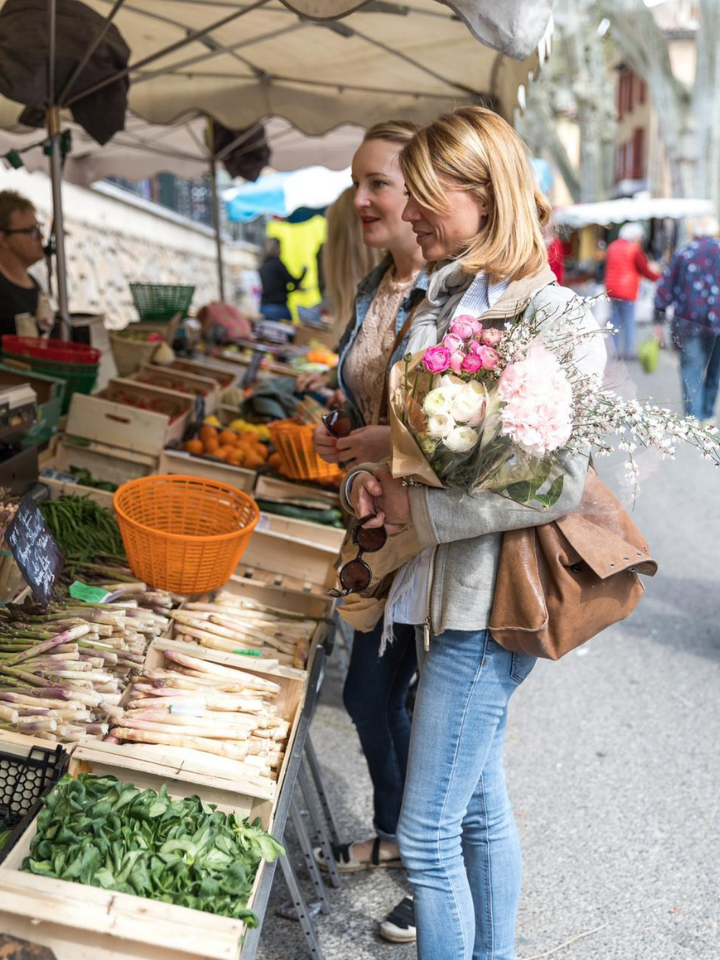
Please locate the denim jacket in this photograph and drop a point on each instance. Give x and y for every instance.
(366, 292)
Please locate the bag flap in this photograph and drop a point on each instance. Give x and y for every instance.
(603, 550)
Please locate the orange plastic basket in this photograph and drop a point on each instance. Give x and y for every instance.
(298, 460)
(184, 534)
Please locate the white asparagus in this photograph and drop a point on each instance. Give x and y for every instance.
(8, 714)
(234, 734)
(219, 747)
(215, 669)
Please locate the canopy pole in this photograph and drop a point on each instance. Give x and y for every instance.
(53, 128)
(216, 221)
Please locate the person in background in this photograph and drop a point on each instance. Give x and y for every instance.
(375, 339)
(21, 246)
(691, 285)
(625, 264)
(277, 282)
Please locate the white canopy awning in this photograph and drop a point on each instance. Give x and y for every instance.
(579, 215)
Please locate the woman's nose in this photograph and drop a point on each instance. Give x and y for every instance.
(411, 212)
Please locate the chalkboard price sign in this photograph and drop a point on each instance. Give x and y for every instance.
(35, 549)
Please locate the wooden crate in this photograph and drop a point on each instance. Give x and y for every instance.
(305, 530)
(61, 488)
(224, 374)
(178, 461)
(80, 922)
(276, 488)
(307, 562)
(103, 462)
(281, 596)
(181, 381)
(100, 418)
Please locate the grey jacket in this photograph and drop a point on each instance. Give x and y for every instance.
(467, 532)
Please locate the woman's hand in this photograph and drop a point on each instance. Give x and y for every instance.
(311, 382)
(378, 493)
(325, 445)
(365, 445)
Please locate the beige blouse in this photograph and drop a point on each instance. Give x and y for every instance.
(366, 364)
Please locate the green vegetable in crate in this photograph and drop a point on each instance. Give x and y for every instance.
(106, 833)
(329, 516)
(86, 479)
(83, 529)
(4, 837)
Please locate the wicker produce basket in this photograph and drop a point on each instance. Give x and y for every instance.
(130, 355)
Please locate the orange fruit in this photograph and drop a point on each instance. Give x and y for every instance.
(223, 452)
(228, 438)
(211, 445)
(252, 460)
(275, 461)
(194, 446)
(207, 432)
(235, 457)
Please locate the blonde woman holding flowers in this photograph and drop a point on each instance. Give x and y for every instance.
(478, 217)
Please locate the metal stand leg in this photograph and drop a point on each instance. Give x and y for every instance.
(320, 787)
(321, 827)
(306, 923)
(306, 847)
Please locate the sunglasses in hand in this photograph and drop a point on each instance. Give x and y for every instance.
(355, 575)
(337, 424)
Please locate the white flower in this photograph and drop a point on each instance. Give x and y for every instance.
(440, 425)
(470, 404)
(461, 439)
(451, 385)
(437, 401)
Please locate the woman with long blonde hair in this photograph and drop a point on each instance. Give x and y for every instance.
(478, 218)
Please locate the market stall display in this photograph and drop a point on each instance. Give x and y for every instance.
(181, 382)
(132, 348)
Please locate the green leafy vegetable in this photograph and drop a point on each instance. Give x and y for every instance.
(106, 833)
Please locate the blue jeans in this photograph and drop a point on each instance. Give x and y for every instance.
(623, 317)
(276, 312)
(700, 374)
(374, 694)
(457, 833)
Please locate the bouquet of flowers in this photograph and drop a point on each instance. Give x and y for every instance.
(500, 410)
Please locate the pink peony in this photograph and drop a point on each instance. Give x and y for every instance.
(490, 358)
(472, 363)
(436, 359)
(473, 346)
(537, 400)
(452, 342)
(491, 337)
(465, 327)
(456, 361)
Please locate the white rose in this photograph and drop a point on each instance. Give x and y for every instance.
(451, 385)
(437, 401)
(469, 405)
(461, 439)
(440, 425)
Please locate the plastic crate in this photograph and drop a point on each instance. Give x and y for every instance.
(26, 777)
(161, 301)
(73, 363)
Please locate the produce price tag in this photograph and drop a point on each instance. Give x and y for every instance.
(263, 522)
(35, 549)
(86, 593)
(249, 653)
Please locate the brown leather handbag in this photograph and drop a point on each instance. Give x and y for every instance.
(561, 583)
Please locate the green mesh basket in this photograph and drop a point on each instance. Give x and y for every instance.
(161, 301)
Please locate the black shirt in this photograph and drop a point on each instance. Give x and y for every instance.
(15, 300)
(275, 279)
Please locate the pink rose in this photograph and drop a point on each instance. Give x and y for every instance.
(491, 337)
(473, 346)
(452, 342)
(465, 327)
(490, 358)
(472, 363)
(436, 359)
(456, 361)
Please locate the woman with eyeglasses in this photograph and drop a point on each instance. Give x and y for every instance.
(478, 216)
(376, 687)
(21, 245)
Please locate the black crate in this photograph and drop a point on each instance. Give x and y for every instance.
(25, 778)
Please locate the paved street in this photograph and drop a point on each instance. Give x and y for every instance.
(612, 758)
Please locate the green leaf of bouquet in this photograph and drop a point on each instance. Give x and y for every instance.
(522, 492)
(550, 498)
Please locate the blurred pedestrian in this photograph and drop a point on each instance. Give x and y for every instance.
(277, 282)
(21, 246)
(624, 266)
(691, 285)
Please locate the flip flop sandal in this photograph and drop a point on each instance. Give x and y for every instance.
(346, 862)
